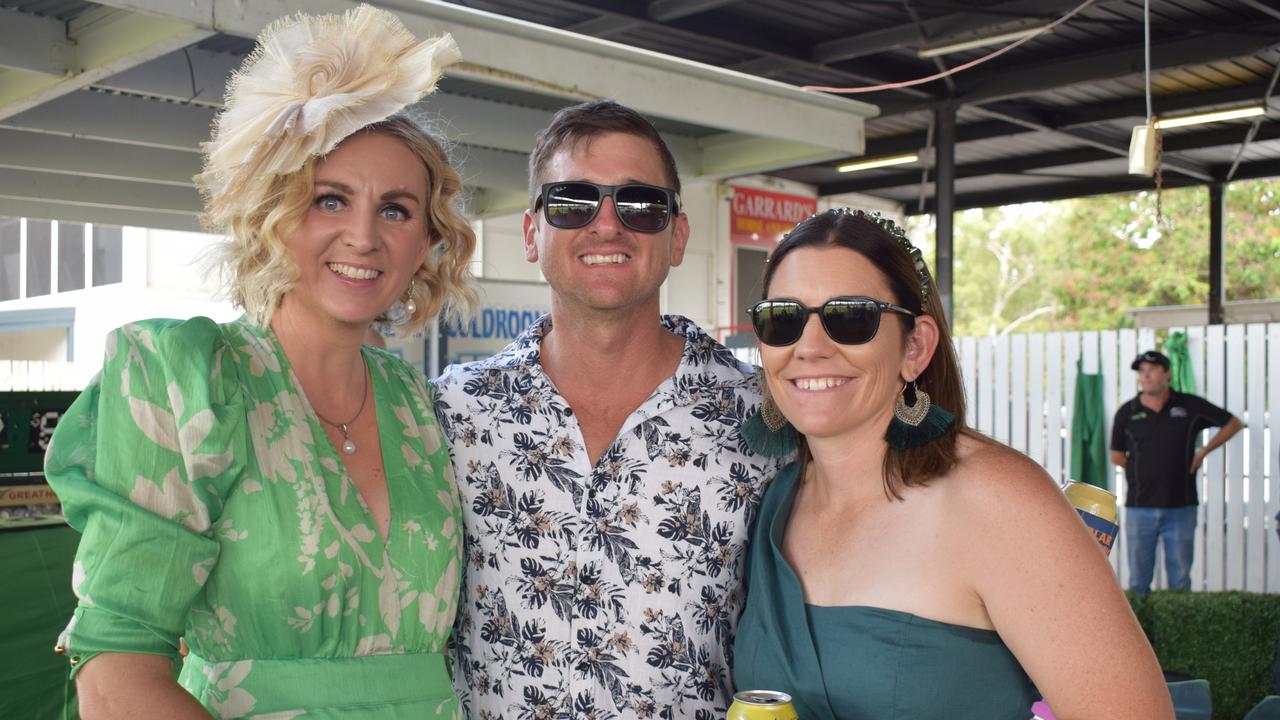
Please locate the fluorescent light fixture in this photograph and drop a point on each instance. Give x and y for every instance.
(928, 52)
(878, 162)
(1209, 117)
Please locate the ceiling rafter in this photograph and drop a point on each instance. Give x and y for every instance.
(763, 48)
(1027, 79)
(969, 21)
(1217, 137)
(1088, 187)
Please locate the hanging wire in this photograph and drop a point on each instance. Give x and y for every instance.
(947, 73)
(1151, 116)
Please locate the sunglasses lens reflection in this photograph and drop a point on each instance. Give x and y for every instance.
(641, 208)
(572, 205)
(851, 322)
(848, 321)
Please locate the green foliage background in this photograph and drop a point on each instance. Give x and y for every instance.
(1079, 264)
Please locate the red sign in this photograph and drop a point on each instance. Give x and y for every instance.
(760, 217)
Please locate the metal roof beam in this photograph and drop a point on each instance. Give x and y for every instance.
(98, 44)
(1092, 186)
(511, 53)
(48, 152)
(121, 118)
(668, 10)
(34, 44)
(1071, 118)
(74, 212)
(1059, 158)
(99, 192)
(774, 53)
(877, 41)
(1136, 107)
(190, 75)
(978, 87)
(911, 142)
(1090, 136)
(732, 155)
(1033, 78)
(603, 25)
(101, 135)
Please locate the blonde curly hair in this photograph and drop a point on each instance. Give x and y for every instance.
(258, 268)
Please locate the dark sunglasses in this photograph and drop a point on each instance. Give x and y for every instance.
(849, 320)
(574, 204)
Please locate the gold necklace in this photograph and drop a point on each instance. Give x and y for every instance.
(348, 445)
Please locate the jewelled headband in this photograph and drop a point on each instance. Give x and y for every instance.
(898, 234)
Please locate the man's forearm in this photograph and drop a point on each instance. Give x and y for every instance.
(1227, 432)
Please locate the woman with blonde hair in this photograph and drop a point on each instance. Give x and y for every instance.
(905, 566)
(270, 490)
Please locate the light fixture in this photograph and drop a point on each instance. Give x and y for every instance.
(878, 162)
(1209, 117)
(928, 52)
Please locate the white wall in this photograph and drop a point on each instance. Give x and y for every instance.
(502, 249)
(161, 278)
(45, 344)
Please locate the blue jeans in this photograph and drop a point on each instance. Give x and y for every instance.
(1147, 526)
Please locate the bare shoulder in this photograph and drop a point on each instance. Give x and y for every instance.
(993, 478)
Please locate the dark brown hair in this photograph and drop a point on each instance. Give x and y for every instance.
(870, 237)
(589, 120)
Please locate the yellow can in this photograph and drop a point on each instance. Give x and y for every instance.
(762, 705)
(1097, 507)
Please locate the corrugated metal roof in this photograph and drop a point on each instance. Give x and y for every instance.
(1073, 93)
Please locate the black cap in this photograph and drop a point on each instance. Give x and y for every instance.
(1153, 357)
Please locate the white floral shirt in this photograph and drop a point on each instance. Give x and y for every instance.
(603, 591)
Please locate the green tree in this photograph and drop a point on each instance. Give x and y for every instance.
(1079, 264)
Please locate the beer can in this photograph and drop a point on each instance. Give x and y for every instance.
(1097, 507)
(762, 705)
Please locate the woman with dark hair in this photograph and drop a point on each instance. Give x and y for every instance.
(906, 566)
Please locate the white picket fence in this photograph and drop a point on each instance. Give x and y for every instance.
(31, 375)
(1021, 391)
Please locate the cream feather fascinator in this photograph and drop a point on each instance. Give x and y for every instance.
(311, 81)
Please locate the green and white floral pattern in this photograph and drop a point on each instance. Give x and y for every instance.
(215, 508)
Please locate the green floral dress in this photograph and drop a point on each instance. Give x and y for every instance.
(213, 507)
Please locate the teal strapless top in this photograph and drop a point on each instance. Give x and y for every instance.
(863, 663)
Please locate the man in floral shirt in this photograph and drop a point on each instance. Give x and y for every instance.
(607, 492)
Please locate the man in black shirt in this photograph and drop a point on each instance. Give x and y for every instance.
(1154, 439)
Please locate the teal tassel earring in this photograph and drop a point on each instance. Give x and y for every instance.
(766, 430)
(916, 420)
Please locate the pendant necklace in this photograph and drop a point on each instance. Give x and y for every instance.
(348, 445)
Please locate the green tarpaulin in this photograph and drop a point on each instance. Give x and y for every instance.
(1089, 463)
(1182, 379)
(35, 604)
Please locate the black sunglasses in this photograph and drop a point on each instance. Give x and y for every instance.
(574, 204)
(849, 320)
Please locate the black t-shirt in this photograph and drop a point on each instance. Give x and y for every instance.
(1159, 447)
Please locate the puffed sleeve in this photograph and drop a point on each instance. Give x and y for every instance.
(142, 462)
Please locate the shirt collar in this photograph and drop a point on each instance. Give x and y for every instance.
(702, 355)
